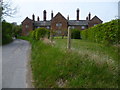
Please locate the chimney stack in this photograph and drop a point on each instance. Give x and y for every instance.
(33, 17)
(38, 19)
(68, 17)
(51, 15)
(89, 16)
(78, 14)
(86, 18)
(44, 15)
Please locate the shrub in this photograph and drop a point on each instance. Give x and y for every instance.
(16, 30)
(39, 33)
(75, 34)
(6, 32)
(106, 33)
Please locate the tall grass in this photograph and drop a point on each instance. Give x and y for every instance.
(54, 66)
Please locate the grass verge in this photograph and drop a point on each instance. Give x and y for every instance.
(54, 66)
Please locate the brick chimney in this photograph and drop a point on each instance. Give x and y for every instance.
(89, 16)
(38, 19)
(51, 15)
(86, 18)
(33, 17)
(44, 15)
(68, 17)
(78, 14)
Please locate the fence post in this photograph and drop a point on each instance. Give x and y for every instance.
(51, 36)
(69, 38)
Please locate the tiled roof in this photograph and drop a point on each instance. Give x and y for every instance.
(70, 22)
(42, 23)
(97, 18)
(75, 22)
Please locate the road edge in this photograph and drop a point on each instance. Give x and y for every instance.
(29, 79)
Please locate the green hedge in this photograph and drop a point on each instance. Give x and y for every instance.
(75, 34)
(40, 33)
(107, 33)
(6, 32)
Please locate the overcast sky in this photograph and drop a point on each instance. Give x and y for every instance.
(106, 10)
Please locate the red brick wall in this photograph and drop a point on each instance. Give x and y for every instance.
(27, 26)
(94, 21)
(57, 20)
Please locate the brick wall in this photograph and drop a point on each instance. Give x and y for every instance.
(94, 21)
(59, 24)
(27, 26)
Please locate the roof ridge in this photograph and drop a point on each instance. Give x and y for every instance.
(60, 14)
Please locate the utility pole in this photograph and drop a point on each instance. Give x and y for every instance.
(69, 38)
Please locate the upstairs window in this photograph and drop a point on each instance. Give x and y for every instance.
(58, 24)
(26, 26)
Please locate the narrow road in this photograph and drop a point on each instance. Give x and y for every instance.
(14, 64)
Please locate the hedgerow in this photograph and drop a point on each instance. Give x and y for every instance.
(75, 34)
(6, 32)
(39, 33)
(107, 33)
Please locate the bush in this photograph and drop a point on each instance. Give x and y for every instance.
(6, 32)
(16, 30)
(106, 33)
(39, 33)
(75, 34)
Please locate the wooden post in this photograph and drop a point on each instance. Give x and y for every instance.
(69, 38)
(51, 36)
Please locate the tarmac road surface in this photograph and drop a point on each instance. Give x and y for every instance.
(14, 64)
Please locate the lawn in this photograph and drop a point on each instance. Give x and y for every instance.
(87, 64)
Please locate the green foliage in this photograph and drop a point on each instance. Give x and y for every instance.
(10, 30)
(39, 33)
(75, 34)
(6, 32)
(107, 33)
(32, 34)
(16, 30)
(28, 38)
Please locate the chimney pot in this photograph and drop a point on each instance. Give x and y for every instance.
(33, 17)
(51, 15)
(86, 18)
(68, 17)
(89, 16)
(38, 19)
(44, 15)
(78, 14)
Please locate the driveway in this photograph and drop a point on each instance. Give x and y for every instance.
(14, 64)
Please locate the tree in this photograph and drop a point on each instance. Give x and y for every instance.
(16, 30)
(6, 32)
(6, 9)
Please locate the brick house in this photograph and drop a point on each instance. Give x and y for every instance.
(59, 23)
